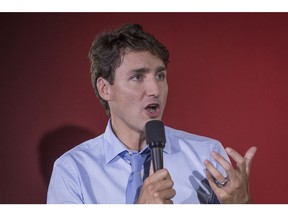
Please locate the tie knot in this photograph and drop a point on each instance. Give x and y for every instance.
(137, 162)
(135, 159)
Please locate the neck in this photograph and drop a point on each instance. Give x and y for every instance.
(132, 139)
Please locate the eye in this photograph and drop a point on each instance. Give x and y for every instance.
(137, 77)
(161, 76)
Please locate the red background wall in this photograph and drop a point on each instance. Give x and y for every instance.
(228, 80)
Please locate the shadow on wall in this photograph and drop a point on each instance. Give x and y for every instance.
(56, 142)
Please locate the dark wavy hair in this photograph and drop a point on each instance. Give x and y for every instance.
(108, 49)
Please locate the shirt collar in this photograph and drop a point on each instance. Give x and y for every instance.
(167, 148)
(113, 146)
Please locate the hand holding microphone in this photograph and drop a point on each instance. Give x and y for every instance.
(158, 187)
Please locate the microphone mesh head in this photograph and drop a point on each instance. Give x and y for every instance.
(155, 132)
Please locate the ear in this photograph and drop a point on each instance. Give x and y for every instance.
(103, 87)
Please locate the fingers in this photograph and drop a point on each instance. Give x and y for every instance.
(249, 155)
(243, 163)
(222, 162)
(239, 160)
(214, 172)
(168, 195)
(157, 188)
(162, 192)
(236, 190)
(212, 183)
(160, 175)
(151, 170)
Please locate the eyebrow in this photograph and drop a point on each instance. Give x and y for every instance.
(145, 70)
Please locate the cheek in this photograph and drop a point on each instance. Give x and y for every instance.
(130, 97)
(164, 96)
(165, 90)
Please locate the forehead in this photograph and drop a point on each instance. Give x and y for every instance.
(136, 60)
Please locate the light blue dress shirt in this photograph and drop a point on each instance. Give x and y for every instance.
(94, 172)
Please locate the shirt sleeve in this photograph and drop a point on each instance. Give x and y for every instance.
(64, 186)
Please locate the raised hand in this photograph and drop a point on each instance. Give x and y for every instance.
(233, 188)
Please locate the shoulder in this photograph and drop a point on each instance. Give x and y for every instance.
(180, 134)
(192, 143)
(92, 147)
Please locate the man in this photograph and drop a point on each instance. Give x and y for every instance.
(129, 77)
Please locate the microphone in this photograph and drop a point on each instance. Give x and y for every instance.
(155, 139)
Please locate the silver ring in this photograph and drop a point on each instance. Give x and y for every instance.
(221, 184)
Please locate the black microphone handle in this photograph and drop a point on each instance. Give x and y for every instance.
(157, 158)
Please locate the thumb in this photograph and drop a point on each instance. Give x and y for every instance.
(248, 158)
(151, 171)
(250, 153)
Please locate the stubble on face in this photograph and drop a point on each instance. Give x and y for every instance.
(132, 101)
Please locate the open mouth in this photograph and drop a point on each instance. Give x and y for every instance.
(152, 108)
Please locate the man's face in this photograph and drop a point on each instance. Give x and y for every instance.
(139, 91)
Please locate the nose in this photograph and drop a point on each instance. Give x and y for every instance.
(153, 88)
